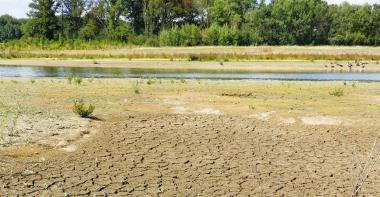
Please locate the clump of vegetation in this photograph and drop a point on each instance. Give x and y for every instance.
(182, 80)
(354, 85)
(32, 81)
(193, 57)
(337, 92)
(150, 82)
(136, 88)
(80, 109)
(74, 79)
(252, 107)
(9, 116)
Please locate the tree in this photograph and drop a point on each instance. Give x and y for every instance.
(9, 28)
(72, 12)
(44, 21)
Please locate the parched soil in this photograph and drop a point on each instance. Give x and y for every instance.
(196, 155)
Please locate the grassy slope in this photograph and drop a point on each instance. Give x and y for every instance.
(207, 53)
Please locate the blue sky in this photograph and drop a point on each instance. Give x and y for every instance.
(18, 8)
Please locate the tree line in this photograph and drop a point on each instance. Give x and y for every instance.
(197, 22)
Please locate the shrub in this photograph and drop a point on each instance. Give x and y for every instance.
(186, 35)
(150, 81)
(337, 92)
(74, 79)
(79, 109)
(210, 36)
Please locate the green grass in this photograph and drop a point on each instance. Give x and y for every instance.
(337, 92)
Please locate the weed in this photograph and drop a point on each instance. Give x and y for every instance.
(182, 80)
(136, 88)
(363, 169)
(32, 81)
(8, 120)
(337, 92)
(77, 80)
(14, 81)
(70, 79)
(354, 85)
(79, 109)
(193, 57)
(73, 79)
(251, 107)
(150, 81)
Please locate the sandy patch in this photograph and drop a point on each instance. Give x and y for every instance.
(210, 111)
(263, 116)
(70, 148)
(179, 110)
(288, 121)
(321, 120)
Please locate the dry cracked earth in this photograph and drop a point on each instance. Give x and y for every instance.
(197, 155)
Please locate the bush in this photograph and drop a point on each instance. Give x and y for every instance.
(210, 36)
(79, 109)
(186, 35)
(74, 79)
(337, 92)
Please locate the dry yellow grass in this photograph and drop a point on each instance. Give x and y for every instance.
(210, 53)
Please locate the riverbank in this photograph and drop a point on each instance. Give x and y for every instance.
(234, 66)
(207, 53)
(179, 136)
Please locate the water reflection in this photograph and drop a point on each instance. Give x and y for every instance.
(96, 72)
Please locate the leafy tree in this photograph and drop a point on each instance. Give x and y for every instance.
(72, 12)
(44, 20)
(10, 28)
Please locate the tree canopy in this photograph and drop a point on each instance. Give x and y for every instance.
(198, 22)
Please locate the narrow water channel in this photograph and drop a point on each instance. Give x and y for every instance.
(94, 72)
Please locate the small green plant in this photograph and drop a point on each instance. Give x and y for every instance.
(77, 80)
(14, 81)
(193, 57)
(150, 81)
(136, 88)
(32, 81)
(70, 79)
(354, 85)
(9, 117)
(337, 92)
(182, 80)
(74, 80)
(80, 109)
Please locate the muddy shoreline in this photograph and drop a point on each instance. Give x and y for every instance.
(188, 137)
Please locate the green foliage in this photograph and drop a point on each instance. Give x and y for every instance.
(9, 115)
(66, 24)
(136, 88)
(80, 109)
(73, 79)
(10, 28)
(186, 35)
(337, 92)
(44, 21)
(151, 81)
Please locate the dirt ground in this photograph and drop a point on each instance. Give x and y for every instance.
(192, 138)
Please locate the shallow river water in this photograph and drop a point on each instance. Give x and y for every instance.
(94, 72)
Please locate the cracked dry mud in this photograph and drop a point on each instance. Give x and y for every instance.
(195, 155)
